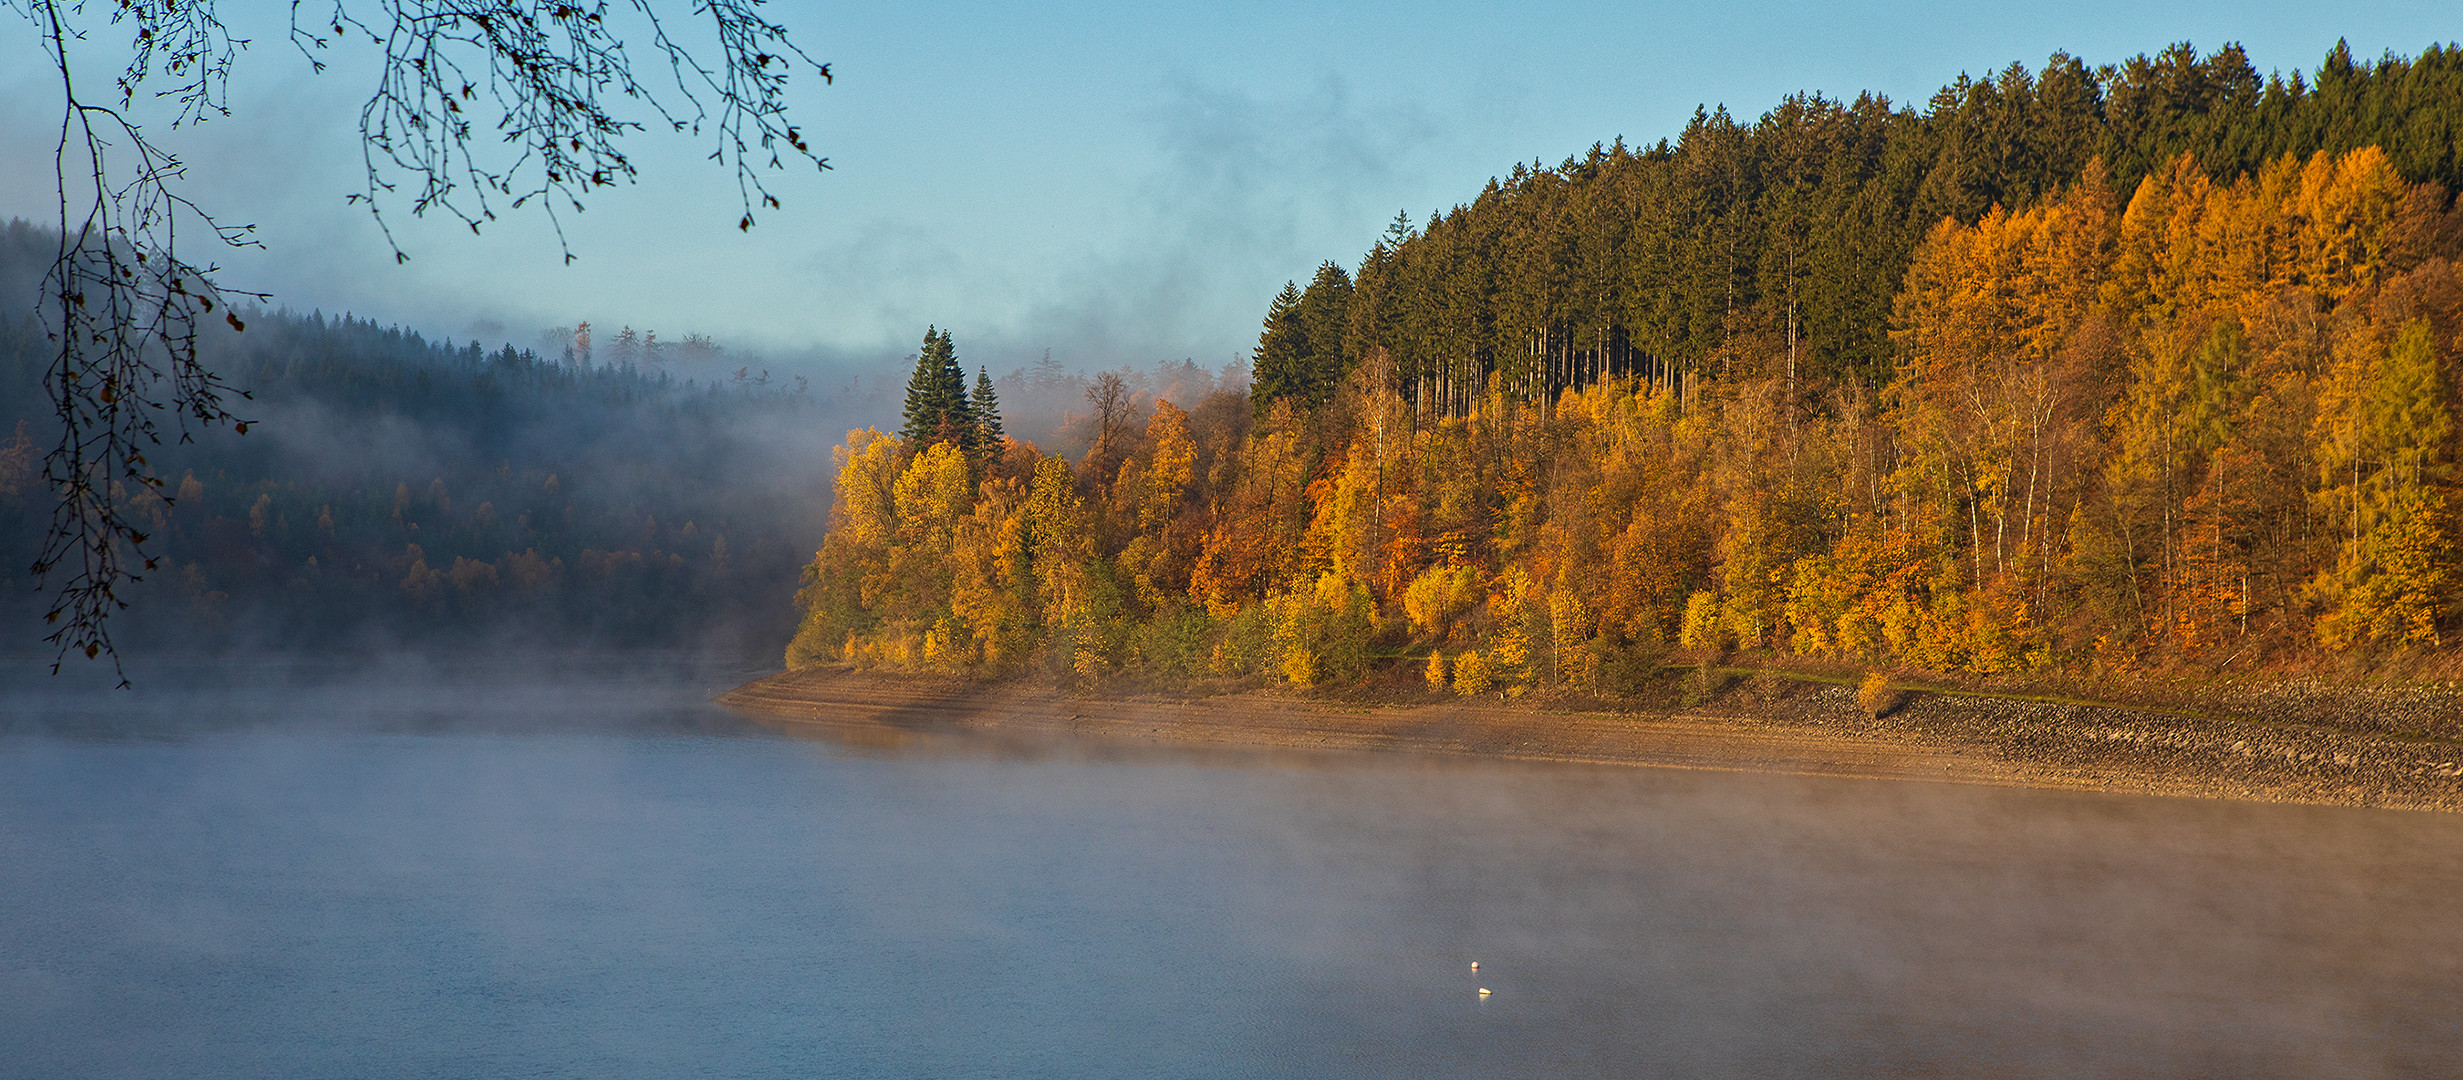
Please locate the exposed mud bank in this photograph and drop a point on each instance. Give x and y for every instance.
(1765, 725)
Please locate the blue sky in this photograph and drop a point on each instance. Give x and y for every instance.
(1119, 183)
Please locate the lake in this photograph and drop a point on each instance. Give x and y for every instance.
(417, 871)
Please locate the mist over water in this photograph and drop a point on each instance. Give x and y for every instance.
(421, 869)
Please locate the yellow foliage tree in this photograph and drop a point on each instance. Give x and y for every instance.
(1437, 597)
(2385, 435)
(1471, 677)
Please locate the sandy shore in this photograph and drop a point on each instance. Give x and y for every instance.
(1763, 725)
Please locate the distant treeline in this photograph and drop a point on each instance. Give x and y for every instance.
(2085, 369)
(400, 489)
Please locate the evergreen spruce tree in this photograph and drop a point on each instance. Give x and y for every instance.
(923, 414)
(936, 409)
(1279, 369)
(1047, 373)
(958, 415)
(987, 408)
(1300, 354)
(1325, 311)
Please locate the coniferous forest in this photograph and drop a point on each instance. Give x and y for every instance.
(2073, 370)
(401, 491)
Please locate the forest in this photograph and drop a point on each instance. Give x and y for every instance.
(395, 490)
(2085, 369)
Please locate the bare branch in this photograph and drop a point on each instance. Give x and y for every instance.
(193, 48)
(552, 75)
(122, 311)
(123, 308)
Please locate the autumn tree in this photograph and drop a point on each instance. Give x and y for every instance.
(2385, 432)
(2072, 367)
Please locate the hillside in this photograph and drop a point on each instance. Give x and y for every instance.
(2071, 373)
(398, 490)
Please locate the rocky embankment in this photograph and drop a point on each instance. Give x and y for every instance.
(2303, 746)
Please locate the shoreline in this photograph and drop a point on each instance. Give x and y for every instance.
(1771, 726)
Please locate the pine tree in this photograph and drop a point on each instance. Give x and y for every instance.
(1325, 311)
(958, 426)
(1300, 354)
(1278, 369)
(936, 408)
(923, 412)
(628, 350)
(987, 407)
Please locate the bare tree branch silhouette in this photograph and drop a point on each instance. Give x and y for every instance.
(480, 105)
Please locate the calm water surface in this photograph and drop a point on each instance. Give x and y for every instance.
(418, 873)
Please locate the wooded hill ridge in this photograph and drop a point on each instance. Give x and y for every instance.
(2077, 369)
(401, 490)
